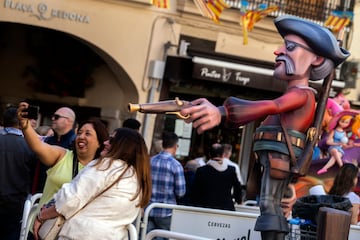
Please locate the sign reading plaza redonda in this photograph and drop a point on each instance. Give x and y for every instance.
(42, 12)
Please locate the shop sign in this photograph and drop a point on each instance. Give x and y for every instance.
(236, 77)
(42, 12)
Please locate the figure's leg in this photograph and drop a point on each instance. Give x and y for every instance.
(338, 157)
(271, 222)
(329, 164)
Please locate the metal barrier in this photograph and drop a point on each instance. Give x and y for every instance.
(203, 223)
(206, 222)
(354, 233)
(133, 234)
(30, 206)
(173, 235)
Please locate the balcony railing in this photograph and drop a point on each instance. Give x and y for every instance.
(316, 10)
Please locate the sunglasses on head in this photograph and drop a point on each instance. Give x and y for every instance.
(290, 46)
(57, 116)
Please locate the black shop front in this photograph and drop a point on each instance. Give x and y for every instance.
(215, 77)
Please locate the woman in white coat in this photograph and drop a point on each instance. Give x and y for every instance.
(107, 194)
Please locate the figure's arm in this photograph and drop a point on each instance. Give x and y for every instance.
(330, 140)
(48, 154)
(236, 112)
(239, 112)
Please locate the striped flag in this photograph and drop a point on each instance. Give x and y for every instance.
(211, 8)
(250, 17)
(257, 15)
(244, 21)
(338, 20)
(160, 3)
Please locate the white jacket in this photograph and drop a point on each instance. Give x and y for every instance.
(104, 217)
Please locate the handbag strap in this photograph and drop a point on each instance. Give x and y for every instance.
(288, 142)
(108, 187)
(75, 166)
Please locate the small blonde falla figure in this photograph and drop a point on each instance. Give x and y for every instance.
(337, 139)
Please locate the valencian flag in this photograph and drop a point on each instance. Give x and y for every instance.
(338, 20)
(250, 17)
(160, 3)
(211, 8)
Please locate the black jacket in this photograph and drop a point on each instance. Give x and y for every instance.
(213, 188)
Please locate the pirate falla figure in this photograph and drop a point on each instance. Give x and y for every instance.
(309, 52)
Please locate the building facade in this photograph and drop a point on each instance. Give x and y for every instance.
(99, 55)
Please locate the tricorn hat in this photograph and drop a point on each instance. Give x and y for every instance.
(319, 39)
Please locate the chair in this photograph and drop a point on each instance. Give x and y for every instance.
(29, 213)
(133, 235)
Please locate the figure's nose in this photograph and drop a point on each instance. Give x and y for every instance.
(281, 50)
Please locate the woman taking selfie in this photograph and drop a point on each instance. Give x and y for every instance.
(107, 194)
(64, 164)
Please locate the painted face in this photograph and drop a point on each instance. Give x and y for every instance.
(344, 123)
(293, 59)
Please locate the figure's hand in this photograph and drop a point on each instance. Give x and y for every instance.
(203, 114)
(288, 203)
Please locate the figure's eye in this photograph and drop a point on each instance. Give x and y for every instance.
(290, 46)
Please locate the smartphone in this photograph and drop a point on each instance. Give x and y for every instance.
(32, 112)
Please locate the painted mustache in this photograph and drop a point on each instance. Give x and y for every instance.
(289, 64)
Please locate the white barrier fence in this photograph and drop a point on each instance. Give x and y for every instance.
(205, 222)
(213, 223)
(354, 233)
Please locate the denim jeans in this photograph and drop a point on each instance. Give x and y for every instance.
(159, 223)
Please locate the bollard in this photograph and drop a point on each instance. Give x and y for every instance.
(333, 224)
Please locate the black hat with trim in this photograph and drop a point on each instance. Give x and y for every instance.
(319, 39)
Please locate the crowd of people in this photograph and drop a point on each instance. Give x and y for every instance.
(78, 171)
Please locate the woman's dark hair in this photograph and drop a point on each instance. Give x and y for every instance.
(344, 179)
(102, 133)
(129, 146)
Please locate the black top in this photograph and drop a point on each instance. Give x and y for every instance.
(213, 188)
(17, 163)
(66, 140)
